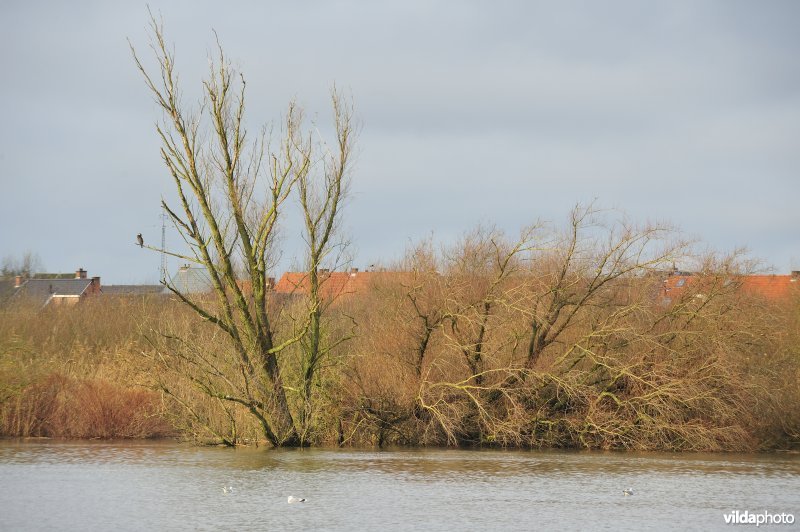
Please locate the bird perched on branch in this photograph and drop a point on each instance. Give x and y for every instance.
(140, 240)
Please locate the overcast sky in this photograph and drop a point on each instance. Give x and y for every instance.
(500, 112)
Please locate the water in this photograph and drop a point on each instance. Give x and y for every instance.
(167, 486)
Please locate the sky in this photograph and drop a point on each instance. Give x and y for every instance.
(496, 112)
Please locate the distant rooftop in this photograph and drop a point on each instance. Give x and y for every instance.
(132, 289)
(191, 280)
(334, 284)
(42, 288)
(770, 287)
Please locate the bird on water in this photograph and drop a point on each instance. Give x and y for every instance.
(293, 499)
(627, 492)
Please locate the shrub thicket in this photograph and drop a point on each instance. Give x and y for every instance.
(488, 342)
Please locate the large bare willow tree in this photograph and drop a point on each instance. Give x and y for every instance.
(232, 190)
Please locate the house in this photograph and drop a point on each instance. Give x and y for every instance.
(190, 280)
(772, 288)
(56, 288)
(333, 284)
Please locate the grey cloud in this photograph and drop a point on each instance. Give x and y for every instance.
(471, 112)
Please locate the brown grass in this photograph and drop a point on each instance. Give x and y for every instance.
(77, 372)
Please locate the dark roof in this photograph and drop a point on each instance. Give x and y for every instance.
(132, 289)
(61, 287)
(6, 289)
(40, 290)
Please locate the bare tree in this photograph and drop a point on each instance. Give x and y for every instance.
(425, 291)
(543, 324)
(485, 274)
(579, 273)
(26, 265)
(231, 192)
(322, 189)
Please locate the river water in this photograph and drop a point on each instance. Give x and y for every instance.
(50, 485)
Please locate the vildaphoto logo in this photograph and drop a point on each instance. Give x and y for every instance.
(764, 518)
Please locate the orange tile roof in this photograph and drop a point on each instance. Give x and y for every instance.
(771, 287)
(333, 284)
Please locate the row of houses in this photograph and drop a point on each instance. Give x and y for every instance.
(68, 288)
(43, 289)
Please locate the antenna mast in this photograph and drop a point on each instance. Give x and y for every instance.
(163, 271)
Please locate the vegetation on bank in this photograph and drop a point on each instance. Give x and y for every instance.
(76, 372)
(448, 351)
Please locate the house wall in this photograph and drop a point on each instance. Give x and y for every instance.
(64, 300)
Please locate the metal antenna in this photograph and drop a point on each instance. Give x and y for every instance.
(163, 271)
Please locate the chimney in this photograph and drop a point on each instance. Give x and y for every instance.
(80, 273)
(795, 275)
(353, 270)
(18, 280)
(95, 285)
(270, 283)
